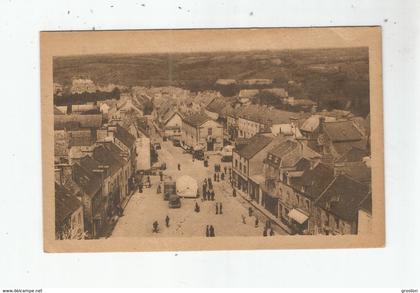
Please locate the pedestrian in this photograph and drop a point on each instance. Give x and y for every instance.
(159, 189)
(215, 177)
(234, 193)
(207, 231)
(167, 221)
(265, 232)
(250, 211)
(179, 167)
(212, 195)
(271, 232)
(222, 176)
(148, 181)
(207, 195)
(141, 187)
(220, 208)
(225, 169)
(212, 231)
(217, 208)
(256, 222)
(243, 219)
(197, 208)
(155, 227)
(161, 175)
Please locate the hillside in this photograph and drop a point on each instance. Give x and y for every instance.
(332, 77)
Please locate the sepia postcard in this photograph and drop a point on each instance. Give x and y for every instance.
(212, 139)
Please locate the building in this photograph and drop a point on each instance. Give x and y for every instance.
(284, 166)
(338, 206)
(200, 130)
(247, 164)
(89, 177)
(254, 119)
(171, 123)
(69, 222)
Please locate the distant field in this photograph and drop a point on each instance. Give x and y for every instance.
(319, 75)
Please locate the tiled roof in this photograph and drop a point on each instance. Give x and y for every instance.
(344, 147)
(65, 203)
(340, 131)
(316, 180)
(358, 171)
(84, 176)
(107, 157)
(265, 115)
(343, 197)
(255, 144)
(291, 152)
(218, 104)
(197, 119)
(83, 121)
(125, 136)
(354, 154)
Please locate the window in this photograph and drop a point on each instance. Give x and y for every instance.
(240, 166)
(210, 131)
(244, 169)
(236, 163)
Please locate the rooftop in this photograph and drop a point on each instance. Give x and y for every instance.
(340, 131)
(65, 203)
(343, 197)
(254, 145)
(197, 119)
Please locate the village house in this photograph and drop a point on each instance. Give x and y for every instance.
(200, 130)
(69, 222)
(254, 119)
(171, 123)
(247, 164)
(338, 206)
(89, 177)
(283, 167)
(122, 138)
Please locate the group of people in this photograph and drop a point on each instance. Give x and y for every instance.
(208, 192)
(210, 231)
(155, 225)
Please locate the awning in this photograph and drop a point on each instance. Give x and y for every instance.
(298, 216)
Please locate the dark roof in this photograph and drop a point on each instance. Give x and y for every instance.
(125, 136)
(88, 181)
(109, 158)
(340, 131)
(344, 147)
(343, 197)
(358, 171)
(354, 154)
(197, 119)
(219, 104)
(83, 121)
(65, 203)
(255, 144)
(316, 180)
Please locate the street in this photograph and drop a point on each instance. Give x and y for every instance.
(145, 208)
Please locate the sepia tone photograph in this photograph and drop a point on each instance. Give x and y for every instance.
(212, 139)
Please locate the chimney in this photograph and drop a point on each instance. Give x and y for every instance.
(321, 124)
